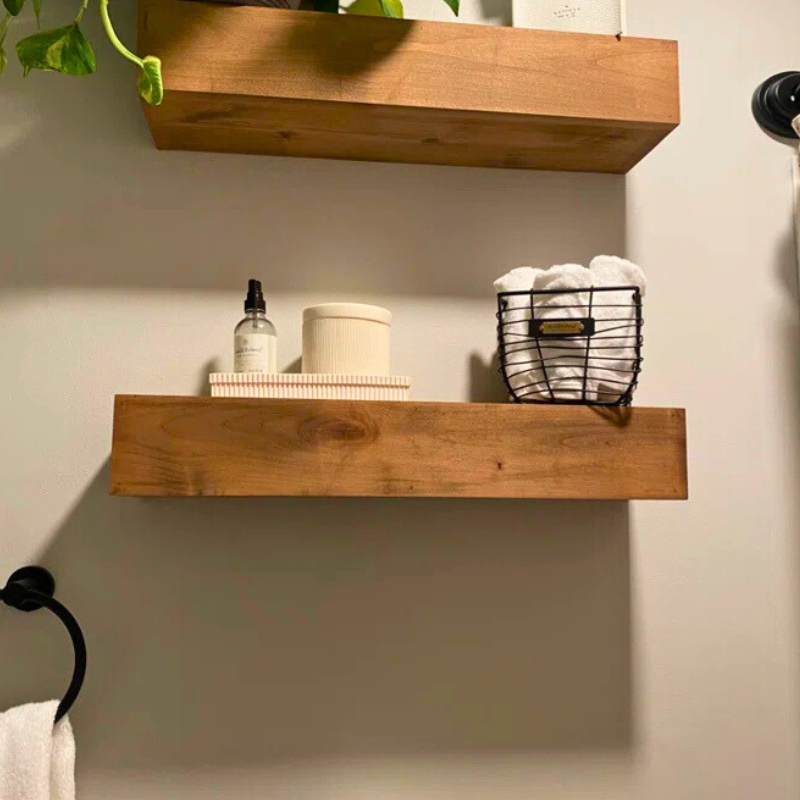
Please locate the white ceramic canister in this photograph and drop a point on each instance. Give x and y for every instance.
(346, 339)
(584, 16)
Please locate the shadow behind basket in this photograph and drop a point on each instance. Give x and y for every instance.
(579, 346)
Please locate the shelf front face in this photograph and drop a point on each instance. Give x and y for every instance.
(299, 83)
(193, 447)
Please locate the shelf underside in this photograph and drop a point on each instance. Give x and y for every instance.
(191, 447)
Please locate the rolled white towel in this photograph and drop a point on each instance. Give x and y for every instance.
(615, 320)
(563, 277)
(517, 280)
(515, 318)
(563, 359)
(615, 271)
(529, 367)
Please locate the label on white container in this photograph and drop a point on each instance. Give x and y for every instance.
(255, 352)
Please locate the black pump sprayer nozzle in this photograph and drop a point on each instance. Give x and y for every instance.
(255, 298)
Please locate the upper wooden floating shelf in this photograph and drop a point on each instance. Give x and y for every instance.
(190, 447)
(300, 83)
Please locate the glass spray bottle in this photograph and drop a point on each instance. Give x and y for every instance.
(254, 340)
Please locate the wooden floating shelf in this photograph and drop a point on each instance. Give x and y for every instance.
(300, 83)
(191, 447)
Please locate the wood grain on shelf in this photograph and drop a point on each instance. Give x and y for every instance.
(186, 447)
(256, 80)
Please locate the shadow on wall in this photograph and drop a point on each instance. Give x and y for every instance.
(312, 40)
(239, 632)
(235, 632)
(485, 380)
(136, 217)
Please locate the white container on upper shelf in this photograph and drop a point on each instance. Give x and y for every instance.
(346, 339)
(581, 16)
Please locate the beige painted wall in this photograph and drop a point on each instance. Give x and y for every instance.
(408, 649)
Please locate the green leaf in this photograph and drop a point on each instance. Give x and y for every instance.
(3, 32)
(64, 50)
(453, 5)
(151, 86)
(392, 8)
(374, 8)
(37, 10)
(13, 6)
(329, 6)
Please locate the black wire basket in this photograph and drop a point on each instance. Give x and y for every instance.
(572, 347)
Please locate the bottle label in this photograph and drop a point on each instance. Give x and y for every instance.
(254, 352)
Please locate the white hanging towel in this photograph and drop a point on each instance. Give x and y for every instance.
(37, 758)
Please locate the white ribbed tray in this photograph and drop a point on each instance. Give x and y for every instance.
(308, 386)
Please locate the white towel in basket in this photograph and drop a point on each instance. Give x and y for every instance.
(514, 321)
(615, 319)
(562, 364)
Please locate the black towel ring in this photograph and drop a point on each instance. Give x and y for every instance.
(30, 588)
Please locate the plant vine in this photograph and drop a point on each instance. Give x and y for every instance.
(67, 50)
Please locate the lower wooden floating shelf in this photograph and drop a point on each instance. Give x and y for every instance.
(196, 447)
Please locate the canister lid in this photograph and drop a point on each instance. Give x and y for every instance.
(348, 311)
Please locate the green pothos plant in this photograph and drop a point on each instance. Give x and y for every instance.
(377, 8)
(67, 50)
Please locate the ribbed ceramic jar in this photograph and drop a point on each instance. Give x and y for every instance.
(346, 339)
